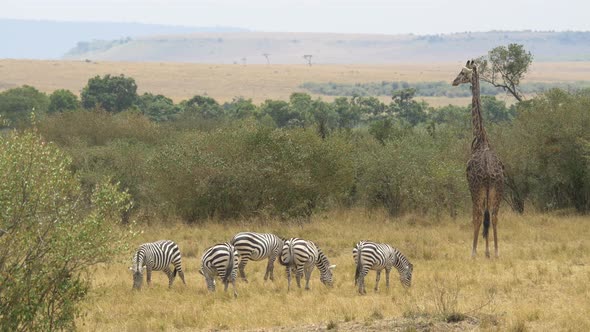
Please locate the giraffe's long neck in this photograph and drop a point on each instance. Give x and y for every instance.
(480, 138)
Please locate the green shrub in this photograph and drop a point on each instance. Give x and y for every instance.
(50, 234)
(16, 105)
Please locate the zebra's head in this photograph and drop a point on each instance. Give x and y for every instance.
(137, 276)
(137, 271)
(327, 277)
(405, 275)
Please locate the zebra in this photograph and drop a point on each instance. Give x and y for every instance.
(156, 256)
(300, 256)
(378, 256)
(220, 260)
(256, 247)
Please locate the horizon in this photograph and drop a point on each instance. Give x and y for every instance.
(234, 29)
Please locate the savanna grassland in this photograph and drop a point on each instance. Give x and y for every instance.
(541, 282)
(259, 82)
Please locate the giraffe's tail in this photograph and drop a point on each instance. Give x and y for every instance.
(486, 223)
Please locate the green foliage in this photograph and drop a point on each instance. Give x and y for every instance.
(202, 106)
(495, 111)
(407, 108)
(111, 93)
(63, 100)
(17, 104)
(505, 67)
(157, 107)
(239, 108)
(249, 170)
(415, 172)
(544, 151)
(280, 113)
(50, 234)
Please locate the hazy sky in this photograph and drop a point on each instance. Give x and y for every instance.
(364, 16)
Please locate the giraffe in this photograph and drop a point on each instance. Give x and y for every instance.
(485, 171)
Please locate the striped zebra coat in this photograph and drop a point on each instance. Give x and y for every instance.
(300, 256)
(378, 256)
(255, 247)
(220, 260)
(156, 256)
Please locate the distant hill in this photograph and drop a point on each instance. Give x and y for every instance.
(289, 48)
(30, 39)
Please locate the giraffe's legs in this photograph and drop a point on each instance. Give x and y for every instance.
(487, 238)
(477, 219)
(497, 198)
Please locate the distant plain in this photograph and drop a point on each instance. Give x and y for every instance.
(181, 81)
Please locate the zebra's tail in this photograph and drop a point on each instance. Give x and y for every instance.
(359, 265)
(290, 255)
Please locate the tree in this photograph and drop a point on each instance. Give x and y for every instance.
(17, 104)
(307, 58)
(325, 117)
(63, 100)
(239, 108)
(266, 55)
(51, 234)
(407, 108)
(112, 93)
(348, 116)
(504, 67)
(496, 111)
(204, 106)
(277, 110)
(157, 107)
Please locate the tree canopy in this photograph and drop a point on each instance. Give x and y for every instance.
(505, 67)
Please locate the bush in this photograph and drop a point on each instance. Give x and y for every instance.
(63, 100)
(413, 172)
(249, 170)
(544, 151)
(50, 234)
(16, 105)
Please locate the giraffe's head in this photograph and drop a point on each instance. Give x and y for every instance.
(465, 74)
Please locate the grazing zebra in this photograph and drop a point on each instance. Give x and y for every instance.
(378, 256)
(156, 256)
(220, 260)
(256, 247)
(300, 256)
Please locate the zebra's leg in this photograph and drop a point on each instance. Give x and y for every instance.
(387, 270)
(233, 283)
(307, 272)
(377, 280)
(298, 275)
(288, 278)
(181, 274)
(210, 283)
(242, 267)
(170, 276)
(148, 273)
(269, 268)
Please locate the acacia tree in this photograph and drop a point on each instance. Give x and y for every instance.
(504, 67)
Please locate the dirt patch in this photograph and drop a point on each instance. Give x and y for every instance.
(395, 324)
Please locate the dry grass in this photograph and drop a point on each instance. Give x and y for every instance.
(540, 282)
(260, 82)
